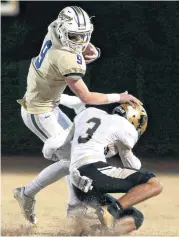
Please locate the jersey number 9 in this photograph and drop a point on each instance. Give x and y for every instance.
(79, 59)
(42, 54)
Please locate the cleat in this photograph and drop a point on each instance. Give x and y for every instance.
(106, 219)
(80, 210)
(76, 210)
(26, 204)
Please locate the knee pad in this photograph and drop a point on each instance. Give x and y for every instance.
(140, 177)
(136, 214)
(147, 176)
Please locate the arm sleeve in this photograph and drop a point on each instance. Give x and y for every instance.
(72, 102)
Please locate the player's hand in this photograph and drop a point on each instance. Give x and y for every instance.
(90, 53)
(127, 98)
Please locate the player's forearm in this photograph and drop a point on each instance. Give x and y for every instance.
(129, 159)
(95, 98)
(72, 102)
(69, 101)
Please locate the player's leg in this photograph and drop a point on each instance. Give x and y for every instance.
(77, 208)
(137, 185)
(143, 191)
(73, 200)
(29, 123)
(130, 219)
(43, 126)
(26, 195)
(47, 124)
(47, 176)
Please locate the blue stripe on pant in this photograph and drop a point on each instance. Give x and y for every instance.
(62, 120)
(36, 126)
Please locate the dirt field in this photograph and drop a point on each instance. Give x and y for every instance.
(161, 213)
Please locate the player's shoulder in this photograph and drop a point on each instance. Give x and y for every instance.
(89, 113)
(68, 62)
(124, 123)
(67, 57)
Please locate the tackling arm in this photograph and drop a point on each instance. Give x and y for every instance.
(52, 144)
(72, 102)
(127, 157)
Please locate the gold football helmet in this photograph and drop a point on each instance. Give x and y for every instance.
(135, 115)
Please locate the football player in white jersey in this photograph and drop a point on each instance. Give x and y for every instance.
(61, 62)
(93, 178)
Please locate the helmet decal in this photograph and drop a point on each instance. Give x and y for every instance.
(77, 16)
(136, 115)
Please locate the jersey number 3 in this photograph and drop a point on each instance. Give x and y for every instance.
(42, 54)
(89, 133)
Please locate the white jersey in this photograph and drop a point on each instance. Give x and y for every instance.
(94, 130)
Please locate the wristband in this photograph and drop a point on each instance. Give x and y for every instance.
(112, 98)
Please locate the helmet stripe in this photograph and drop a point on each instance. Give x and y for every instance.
(80, 15)
(83, 16)
(76, 13)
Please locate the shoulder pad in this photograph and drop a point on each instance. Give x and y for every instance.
(68, 63)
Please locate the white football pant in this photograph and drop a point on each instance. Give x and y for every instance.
(44, 126)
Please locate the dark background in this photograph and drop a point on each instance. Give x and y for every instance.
(139, 47)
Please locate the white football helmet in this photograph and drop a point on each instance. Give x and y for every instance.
(74, 28)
